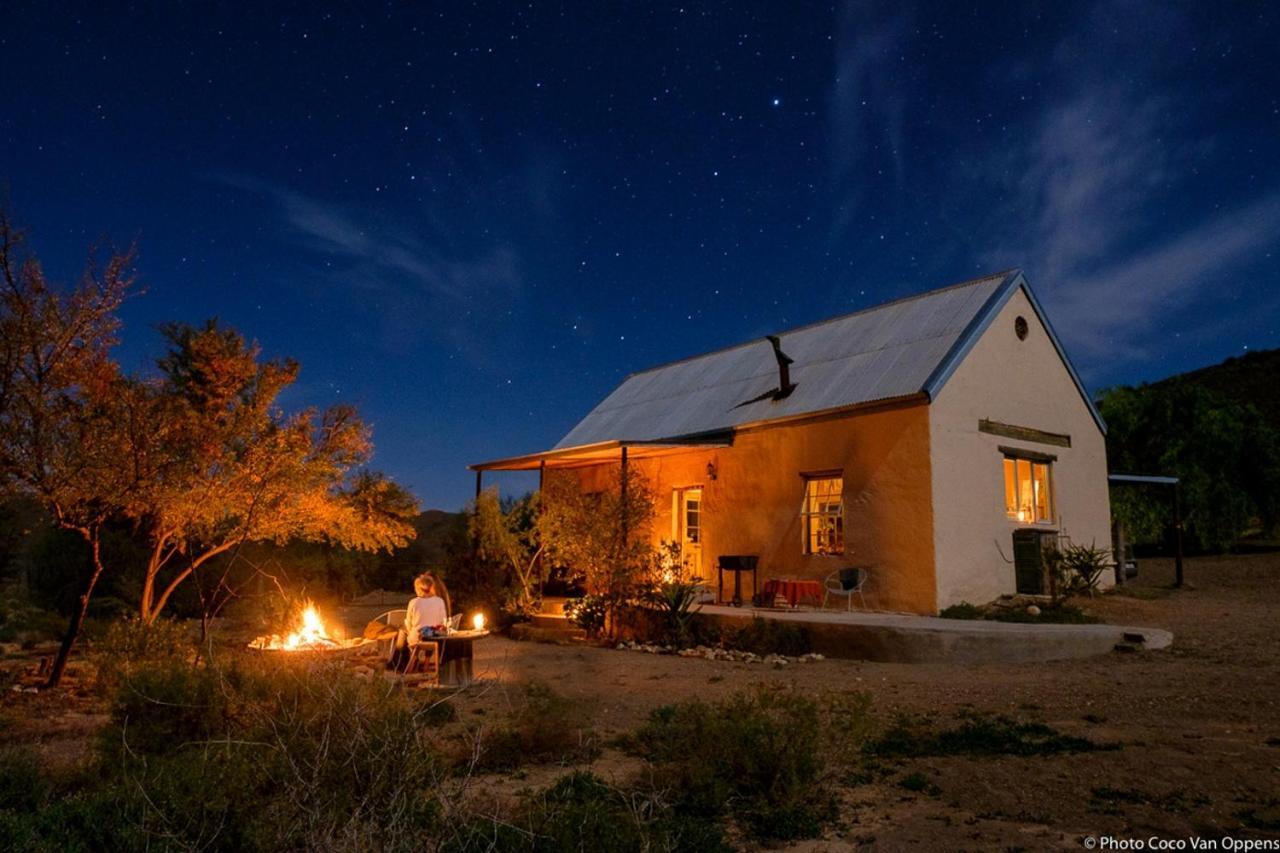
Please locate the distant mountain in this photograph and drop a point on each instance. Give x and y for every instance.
(1252, 378)
(434, 528)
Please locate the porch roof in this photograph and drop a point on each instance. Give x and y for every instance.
(600, 451)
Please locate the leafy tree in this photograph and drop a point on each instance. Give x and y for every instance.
(1226, 454)
(507, 534)
(603, 535)
(62, 401)
(225, 466)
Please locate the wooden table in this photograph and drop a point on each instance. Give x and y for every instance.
(456, 651)
(793, 590)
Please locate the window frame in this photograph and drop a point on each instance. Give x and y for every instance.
(1033, 459)
(808, 516)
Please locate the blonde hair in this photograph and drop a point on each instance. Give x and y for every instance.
(432, 586)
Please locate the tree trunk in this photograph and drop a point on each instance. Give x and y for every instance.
(77, 617)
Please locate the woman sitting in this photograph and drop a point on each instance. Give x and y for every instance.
(427, 610)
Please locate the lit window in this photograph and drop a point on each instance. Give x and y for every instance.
(823, 515)
(693, 515)
(1027, 491)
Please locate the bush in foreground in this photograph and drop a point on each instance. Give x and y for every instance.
(581, 812)
(977, 734)
(544, 728)
(760, 756)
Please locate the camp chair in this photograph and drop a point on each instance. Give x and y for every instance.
(383, 629)
(847, 582)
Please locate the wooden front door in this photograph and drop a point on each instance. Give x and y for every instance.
(686, 528)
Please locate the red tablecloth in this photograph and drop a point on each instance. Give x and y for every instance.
(792, 591)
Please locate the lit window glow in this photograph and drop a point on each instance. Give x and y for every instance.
(1027, 491)
(823, 515)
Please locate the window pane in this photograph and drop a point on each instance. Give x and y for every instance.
(1041, 479)
(1010, 489)
(823, 516)
(1026, 509)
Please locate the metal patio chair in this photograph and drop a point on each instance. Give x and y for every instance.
(847, 582)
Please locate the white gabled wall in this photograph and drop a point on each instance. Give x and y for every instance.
(1024, 383)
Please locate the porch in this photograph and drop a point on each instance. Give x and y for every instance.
(904, 638)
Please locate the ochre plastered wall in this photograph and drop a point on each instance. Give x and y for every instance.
(753, 504)
(1025, 383)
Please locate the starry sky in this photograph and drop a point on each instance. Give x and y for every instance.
(472, 220)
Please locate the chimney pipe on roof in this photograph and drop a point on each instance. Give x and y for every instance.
(785, 386)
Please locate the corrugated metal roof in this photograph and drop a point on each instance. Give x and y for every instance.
(880, 353)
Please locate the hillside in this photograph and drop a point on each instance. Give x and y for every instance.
(1252, 378)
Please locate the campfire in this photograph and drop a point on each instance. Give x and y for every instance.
(309, 635)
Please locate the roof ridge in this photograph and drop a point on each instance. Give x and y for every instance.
(1003, 274)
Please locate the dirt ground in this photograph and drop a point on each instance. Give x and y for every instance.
(1198, 725)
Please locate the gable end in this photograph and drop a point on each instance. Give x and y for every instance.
(983, 320)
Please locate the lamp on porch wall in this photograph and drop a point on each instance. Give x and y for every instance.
(711, 470)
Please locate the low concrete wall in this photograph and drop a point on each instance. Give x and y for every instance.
(922, 639)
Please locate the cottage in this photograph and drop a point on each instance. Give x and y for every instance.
(940, 440)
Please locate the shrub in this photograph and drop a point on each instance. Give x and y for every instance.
(1065, 614)
(588, 613)
(129, 642)
(581, 812)
(675, 602)
(963, 610)
(1078, 568)
(977, 735)
(760, 754)
(1061, 614)
(28, 625)
(271, 755)
(96, 820)
(544, 728)
(22, 787)
(768, 637)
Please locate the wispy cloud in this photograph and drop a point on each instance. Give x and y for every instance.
(1096, 174)
(388, 256)
(868, 103)
(412, 276)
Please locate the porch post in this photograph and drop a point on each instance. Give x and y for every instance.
(1177, 536)
(623, 496)
(1119, 548)
(542, 477)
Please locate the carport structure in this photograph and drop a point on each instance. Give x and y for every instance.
(1176, 509)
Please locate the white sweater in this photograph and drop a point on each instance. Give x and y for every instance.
(424, 613)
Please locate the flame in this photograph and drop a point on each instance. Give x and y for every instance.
(311, 633)
(477, 621)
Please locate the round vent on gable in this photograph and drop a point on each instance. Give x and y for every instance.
(1020, 328)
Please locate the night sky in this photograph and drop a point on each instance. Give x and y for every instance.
(473, 222)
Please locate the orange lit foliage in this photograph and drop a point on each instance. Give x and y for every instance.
(224, 465)
(584, 531)
(61, 406)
